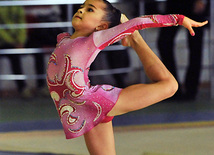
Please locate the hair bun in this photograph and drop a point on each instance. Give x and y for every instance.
(113, 14)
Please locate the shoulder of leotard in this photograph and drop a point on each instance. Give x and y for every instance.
(63, 35)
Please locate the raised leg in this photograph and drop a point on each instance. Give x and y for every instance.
(139, 96)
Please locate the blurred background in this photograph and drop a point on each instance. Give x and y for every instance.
(28, 31)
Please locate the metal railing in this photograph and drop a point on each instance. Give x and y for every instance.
(212, 48)
(69, 25)
(24, 51)
(42, 2)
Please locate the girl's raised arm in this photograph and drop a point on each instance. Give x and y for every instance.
(186, 22)
(106, 37)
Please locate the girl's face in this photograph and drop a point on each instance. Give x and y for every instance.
(89, 17)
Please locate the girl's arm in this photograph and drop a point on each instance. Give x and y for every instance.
(112, 35)
(150, 59)
(186, 22)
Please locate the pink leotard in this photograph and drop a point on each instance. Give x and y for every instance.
(80, 105)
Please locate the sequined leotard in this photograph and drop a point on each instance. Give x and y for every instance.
(80, 105)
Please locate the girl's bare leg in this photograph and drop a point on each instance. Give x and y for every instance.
(100, 140)
(163, 84)
(139, 96)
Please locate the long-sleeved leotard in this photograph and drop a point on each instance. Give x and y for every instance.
(80, 105)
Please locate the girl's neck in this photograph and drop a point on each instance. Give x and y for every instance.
(77, 34)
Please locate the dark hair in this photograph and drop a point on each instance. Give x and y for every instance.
(112, 14)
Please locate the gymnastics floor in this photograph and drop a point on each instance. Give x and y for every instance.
(32, 127)
(166, 139)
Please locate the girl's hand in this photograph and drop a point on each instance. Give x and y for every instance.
(130, 39)
(189, 24)
(125, 41)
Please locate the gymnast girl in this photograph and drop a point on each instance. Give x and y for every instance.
(88, 110)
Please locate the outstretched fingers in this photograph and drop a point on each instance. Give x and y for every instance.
(189, 24)
(200, 24)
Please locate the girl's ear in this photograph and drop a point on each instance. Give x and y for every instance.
(103, 26)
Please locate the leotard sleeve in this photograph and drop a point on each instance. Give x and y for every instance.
(107, 37)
